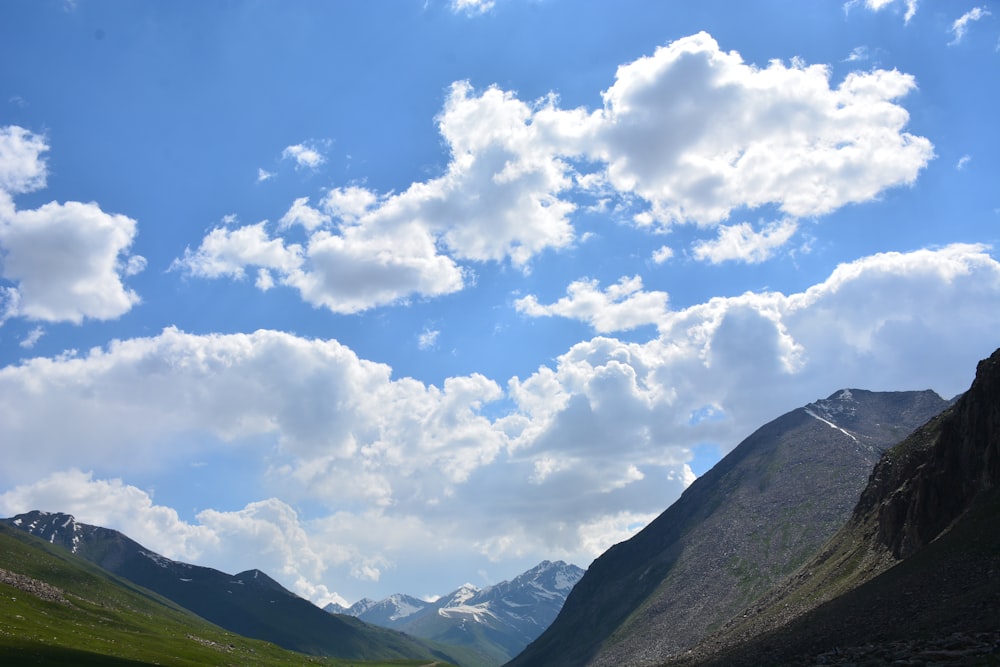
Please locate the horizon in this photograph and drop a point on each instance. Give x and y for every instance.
(374, 298)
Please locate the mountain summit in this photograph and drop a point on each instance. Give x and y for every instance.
(496, 622)
(738, 529)
(913, 577)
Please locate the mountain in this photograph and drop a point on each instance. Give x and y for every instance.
(496, 622)
(736, 531)
(249, 603)
(913, 577)
(388, 613)
(56, 609)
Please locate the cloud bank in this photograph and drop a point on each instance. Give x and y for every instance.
(588, 450)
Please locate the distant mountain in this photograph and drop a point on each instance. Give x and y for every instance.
(57, 609)
(249, 603)
(496, 622)
(913, 577)
(736, 531)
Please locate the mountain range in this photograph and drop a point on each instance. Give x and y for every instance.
(249, 603)
(496, 622)
(744, 570)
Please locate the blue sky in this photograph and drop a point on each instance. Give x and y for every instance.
(388, 297)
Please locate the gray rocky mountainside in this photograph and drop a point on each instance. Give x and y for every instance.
(913, 577)
(496, 622)
(736, 531)
(249, 603)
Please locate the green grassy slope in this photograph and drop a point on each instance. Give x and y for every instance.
(86, 616)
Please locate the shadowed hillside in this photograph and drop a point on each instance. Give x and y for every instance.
(740, 528)
(917, 565)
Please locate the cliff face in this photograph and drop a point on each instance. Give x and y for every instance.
(920, 487)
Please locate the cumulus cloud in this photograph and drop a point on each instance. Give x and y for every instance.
(961, 24)
(697, 133)
(742, 243)
(622, 306)
(584, 452)
(346, 273)
(227, 252)
(66, 260)
(686, 135)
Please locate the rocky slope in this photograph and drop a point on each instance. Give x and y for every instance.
(736, 531)
(496, 622)
(914, 572)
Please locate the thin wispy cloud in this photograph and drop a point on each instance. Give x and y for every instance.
(961, 25)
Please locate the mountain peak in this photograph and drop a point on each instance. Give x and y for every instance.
(259, 579)
(54, 527)
(751, 519)
(499, 620)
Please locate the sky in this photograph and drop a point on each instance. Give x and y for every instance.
(388, 297)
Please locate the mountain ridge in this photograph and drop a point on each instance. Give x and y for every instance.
(732, 534)
(914, 568)
(497, 621)
(249, 603)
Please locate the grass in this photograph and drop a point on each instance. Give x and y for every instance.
(104, 620)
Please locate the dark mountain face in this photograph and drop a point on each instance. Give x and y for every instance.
(741, 527)
(914, 572)
(249, 603)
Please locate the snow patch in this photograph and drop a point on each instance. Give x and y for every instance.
(830, 424)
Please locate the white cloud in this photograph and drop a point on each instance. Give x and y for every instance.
(346, 273)
(686, 135)
(226, 252)
(32, 338)
(354, 271)
(263, 175)
(304, 156)
(349, 204)
(741, 243)
(961, 24)
(428, 339)
(622, 306)
(858, 54)
(662, 254)
(697, 133)
(878, 5)
(66, 260)
(472, 7)
(22, 168)
(302, 214)
(399, 471)
(963, 162)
